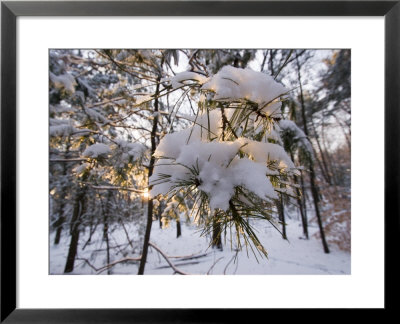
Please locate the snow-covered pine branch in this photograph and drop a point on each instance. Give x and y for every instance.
(229, 178)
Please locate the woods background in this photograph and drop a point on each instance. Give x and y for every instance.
(109, 110)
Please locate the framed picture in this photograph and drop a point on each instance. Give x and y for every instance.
(245, 19)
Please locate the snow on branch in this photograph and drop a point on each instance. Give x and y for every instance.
(97, 150)
(180, 79)
(231, 84)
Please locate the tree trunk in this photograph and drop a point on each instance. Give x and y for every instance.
(281, 212)
(301, 201)
(75, 229)
(178, 227)
(159, 213)
(73, 247)
(314, 189)
(61, 219)
(324, 168)
(151, 167)
(105, 229)
(60, 223)
(303, 207)
(271, 62)
(146, 237)
(216, 237)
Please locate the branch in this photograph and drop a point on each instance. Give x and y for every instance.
(107, 101)
(110, 265)
(284, 64)
(107, 266)
(233, 258)
(68, 160)
(188, 257)
(90, 265)
(117, 188)
(208, 272)
(166, 259)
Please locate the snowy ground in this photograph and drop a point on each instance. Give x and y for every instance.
(296, 256)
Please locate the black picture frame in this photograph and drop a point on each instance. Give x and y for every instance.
(11, 10)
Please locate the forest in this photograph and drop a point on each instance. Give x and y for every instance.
(199, 161)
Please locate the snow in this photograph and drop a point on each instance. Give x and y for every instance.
(252, 176)
(286, 125)
(61, 108)
(219, 170)
(205, 125)
(62, 130)
(96, 115)
(231, 84)
(85, 84)
(219, 182)
(132, 150)
(64, 127)
(186, 156)
(265, 152)
(218, 153)
(81, 168)
(296, 256)
(125, 152)
(97, 150)
(196, 156)
(179, 79)
(216, 181)
(65, 81)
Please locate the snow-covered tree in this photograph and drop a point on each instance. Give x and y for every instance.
(91, 151)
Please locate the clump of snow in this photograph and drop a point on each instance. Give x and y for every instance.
(232, 84)
(81, 168)
(179, 79)
(252, 175)
(171, 144)
(220, 153)
(97, 150)
(219, 182)
(265, 152)
(85, 85)
(130, 150)
(61, 108)
(65, 81)
(205, 126)
(96, 116)
(217, 168)
(65, 127)
(61, 127)
(62, 130)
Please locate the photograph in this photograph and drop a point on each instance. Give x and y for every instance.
(228, 161)
(243, 155)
